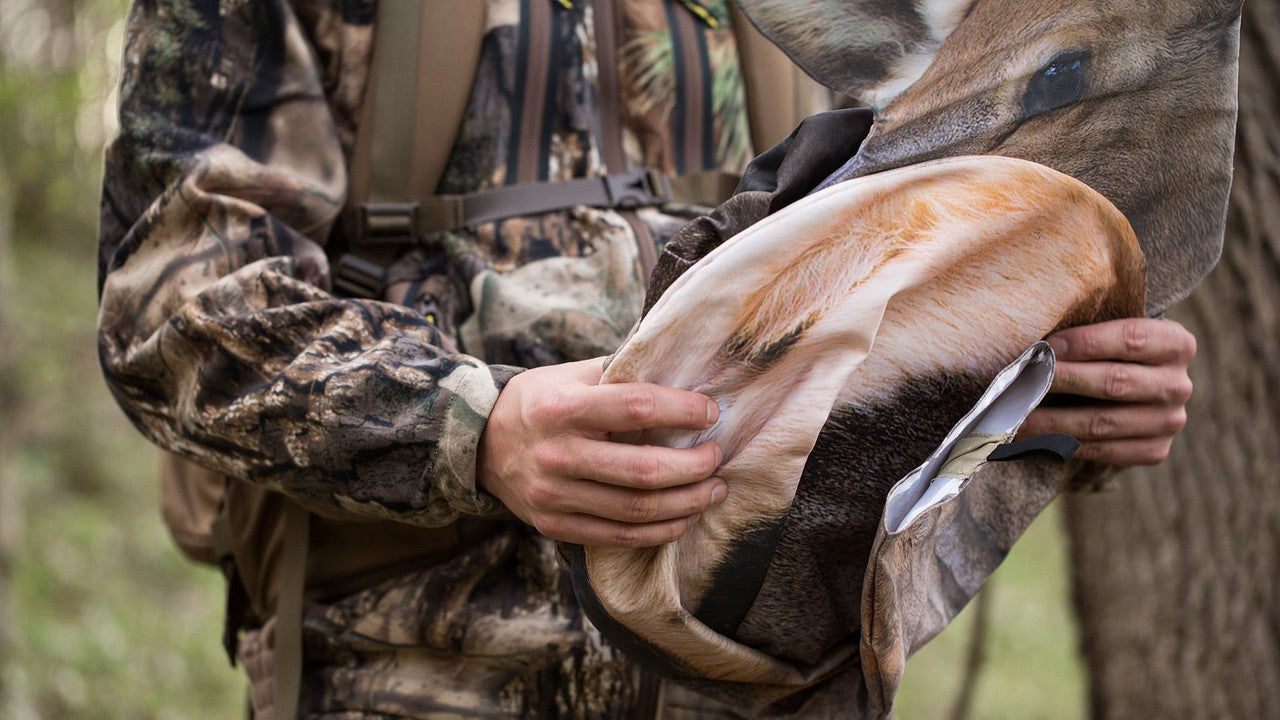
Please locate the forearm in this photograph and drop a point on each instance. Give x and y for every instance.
(350, 404)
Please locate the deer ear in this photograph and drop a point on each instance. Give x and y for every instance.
(867, 49)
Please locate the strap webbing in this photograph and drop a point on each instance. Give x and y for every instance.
(610, 109)
(410, 126)
(606, 36)
(623, 190)
(397, 37)
(287, 652)
(393, 224)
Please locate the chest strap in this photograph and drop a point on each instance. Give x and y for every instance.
(400, 223)
(389, 225)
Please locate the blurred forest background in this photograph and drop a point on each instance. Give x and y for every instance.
(99, 615)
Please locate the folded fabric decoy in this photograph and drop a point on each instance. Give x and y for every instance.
(843, 337)
(852, 306)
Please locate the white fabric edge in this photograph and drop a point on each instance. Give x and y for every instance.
(1015, 392)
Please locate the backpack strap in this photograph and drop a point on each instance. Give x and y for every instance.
(407, 132)
(408, 123)
(424, 110)
(287, 655)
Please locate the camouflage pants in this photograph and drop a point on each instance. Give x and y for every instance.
(495, 633)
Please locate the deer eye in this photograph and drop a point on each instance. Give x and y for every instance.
(1057, 84)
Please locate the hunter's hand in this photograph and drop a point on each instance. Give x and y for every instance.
(546, 455)
(1136, 370)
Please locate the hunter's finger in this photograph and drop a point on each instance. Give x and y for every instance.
(1123, 382)
(638, 506)
(645, 467)
(624, 407)
(590, 530)
(1106, 421)
(1142, 340)
(1130, 451)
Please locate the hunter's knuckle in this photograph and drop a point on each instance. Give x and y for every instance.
(551, 526)
(1176, 421)
(647, 471)
(554, 407)
(1090, 342)
(628, 537)
(1089, 451)
(640, 405)
(1181, 391)
(1189, 345)
(1155, 453)
(543, 494)
(549, 457)
(641, 507)
(1035, 424)
(1067, 378)
(1102, 424)
(1136, 337)
(1118, 381)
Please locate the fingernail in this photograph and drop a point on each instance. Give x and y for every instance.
(719, 454)
(718, 492)
(713, 412)
(1059, 345)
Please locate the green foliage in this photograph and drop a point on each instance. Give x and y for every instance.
(109, 621)
(101, 616)
(58, 59)
(1033, 670)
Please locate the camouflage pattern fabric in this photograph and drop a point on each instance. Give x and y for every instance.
(494, 632)
(220, 338)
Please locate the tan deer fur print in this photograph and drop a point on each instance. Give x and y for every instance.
(850, 291)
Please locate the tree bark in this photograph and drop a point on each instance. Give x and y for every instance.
(1176, 573)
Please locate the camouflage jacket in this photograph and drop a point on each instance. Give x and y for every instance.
(218, 333)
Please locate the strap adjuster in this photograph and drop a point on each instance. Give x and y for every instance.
(388, 223)
(637, 188)
(354, 276)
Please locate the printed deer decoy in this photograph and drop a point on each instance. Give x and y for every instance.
(1137, 99)
(1024, 167)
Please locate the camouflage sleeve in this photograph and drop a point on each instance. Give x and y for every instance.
(216, 332)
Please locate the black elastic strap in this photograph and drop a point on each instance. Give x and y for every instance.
(237, 611)
(1058, 446)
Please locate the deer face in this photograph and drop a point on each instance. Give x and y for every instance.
(1136, 99)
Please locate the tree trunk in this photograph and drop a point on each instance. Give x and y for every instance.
(1176, 573)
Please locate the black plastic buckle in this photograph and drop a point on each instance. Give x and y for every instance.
(638, 188)
(388, 224)
(356, 277)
